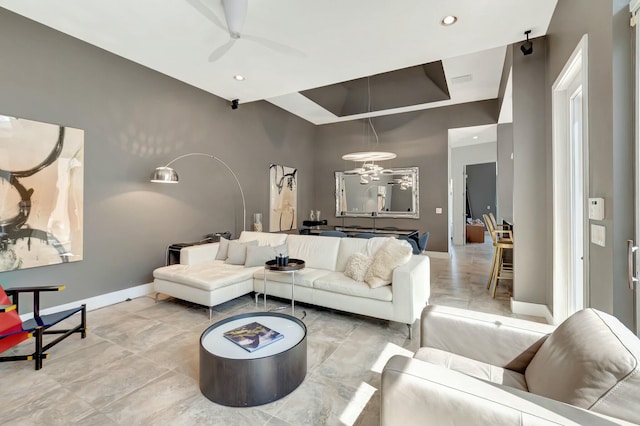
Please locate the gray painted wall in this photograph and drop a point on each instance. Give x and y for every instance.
(481, 189)
(134, 120)
(506, 68)
(505, 171)
(420, 139)
(610, 134)
(530, 196)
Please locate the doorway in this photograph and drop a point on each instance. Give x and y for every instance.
(480, 190)
(467, 145)
(570, 188)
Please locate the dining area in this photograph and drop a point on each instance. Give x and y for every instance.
(417, 241)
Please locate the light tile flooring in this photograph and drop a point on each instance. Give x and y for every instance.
(139, 362)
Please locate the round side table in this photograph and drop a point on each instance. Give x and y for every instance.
(290, 268)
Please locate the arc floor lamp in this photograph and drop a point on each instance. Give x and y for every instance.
(167, 174)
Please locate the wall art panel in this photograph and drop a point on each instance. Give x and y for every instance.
(41, 193)
(283, 205)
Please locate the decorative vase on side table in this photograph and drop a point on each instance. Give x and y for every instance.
(257, 222)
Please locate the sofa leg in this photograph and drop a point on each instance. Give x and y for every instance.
(210, 312)
(410, 327)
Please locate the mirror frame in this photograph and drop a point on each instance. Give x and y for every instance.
(415, 190)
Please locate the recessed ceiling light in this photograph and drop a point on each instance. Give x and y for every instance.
(449, 20)
(238, 77)
(475, 137)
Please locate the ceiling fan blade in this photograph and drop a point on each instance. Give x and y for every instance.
(274, 45)
(208, 13)
(220, 51)
(235, 11)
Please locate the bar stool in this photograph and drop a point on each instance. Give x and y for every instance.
(494, 222)
(500, 270)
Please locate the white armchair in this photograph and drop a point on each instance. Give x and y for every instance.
(475, 368)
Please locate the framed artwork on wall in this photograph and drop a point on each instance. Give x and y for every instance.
(41, 193)
(283, 202)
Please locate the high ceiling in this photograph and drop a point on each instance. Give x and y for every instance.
(289, 46)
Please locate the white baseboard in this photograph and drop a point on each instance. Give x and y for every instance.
(438, 254)
(533, 309)
(100, 301)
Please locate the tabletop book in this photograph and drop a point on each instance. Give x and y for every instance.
(253, 336)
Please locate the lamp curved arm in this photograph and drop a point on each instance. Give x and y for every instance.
(202, 154)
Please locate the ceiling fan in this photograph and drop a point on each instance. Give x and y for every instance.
(235, 13)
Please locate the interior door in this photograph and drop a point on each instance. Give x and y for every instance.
(570, 187)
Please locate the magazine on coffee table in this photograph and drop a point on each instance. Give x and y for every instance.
(253, 336)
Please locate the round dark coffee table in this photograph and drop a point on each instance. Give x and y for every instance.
(235, 377)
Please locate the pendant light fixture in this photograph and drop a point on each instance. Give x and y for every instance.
(368, 170)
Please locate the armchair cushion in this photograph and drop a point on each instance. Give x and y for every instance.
(419, 393)
(590, 361)
(471, 367)
(501, 341)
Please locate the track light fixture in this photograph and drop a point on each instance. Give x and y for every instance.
(527, 46)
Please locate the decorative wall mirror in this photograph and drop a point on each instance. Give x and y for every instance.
(391, 193)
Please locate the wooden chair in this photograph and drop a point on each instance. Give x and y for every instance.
(502, 240)
(495, 223)
(14, 331)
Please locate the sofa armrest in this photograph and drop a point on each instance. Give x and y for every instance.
(414, 392)
(199, 253)
(411, 287)
(501, 341)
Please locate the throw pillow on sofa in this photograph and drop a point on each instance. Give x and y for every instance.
(223, 249)
(238, 252)
(257, 256)
(357, 266)
(392, 254)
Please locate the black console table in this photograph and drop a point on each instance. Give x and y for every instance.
(353, 230)
(173, 250)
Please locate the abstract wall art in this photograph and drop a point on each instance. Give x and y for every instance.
(283, 205)
(41, 193)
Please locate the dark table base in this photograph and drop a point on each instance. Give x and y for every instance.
(250, 382)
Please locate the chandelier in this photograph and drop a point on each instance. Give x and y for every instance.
(368, 170)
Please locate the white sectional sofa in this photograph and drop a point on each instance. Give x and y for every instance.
(201, 279)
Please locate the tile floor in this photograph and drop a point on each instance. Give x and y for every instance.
(139, 362)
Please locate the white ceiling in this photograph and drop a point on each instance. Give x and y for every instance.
(465, 136)
(293, 45)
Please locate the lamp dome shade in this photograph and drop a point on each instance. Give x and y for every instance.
(164, 175)
(369, 156)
